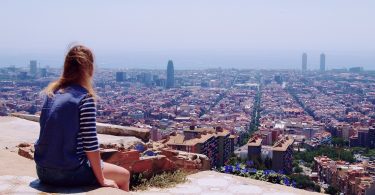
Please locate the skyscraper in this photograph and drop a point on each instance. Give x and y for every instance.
(120, 76)
(322, 62)
(304, 62)
(170, 75)
(33, 67)
(43, 72)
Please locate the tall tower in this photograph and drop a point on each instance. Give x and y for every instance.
(322, 62)
(170, 75)
(304, 62)
(33, 67)
(120, 76)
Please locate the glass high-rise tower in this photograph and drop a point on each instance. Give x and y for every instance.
(33, 67)
(170, 75)
(322, 62)
(304, 62)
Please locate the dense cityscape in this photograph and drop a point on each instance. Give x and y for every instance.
(317, 126)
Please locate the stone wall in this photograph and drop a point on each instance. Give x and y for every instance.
(102, 128)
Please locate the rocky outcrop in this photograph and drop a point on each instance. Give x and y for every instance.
(147, 162)
(188, 161)
(165, 160)
(132, 161)
(102, 128)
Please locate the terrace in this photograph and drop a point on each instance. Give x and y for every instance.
(17, 174)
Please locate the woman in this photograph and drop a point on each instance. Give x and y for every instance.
(67, 151)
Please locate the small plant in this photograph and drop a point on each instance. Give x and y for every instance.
(163, 180)
(245, 170)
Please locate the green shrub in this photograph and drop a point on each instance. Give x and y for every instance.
(163, 180)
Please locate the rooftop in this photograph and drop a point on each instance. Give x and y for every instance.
(283, 144)
(255, 141)
(179, 139)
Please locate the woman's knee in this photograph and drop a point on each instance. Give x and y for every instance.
(125, 174)
(117, 171)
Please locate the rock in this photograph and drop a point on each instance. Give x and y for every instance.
(169, 152)
(166, 160)
(132, 161)
(118, 130)
(120, 157)
(27, 152)
(29, 117)
(24, 144)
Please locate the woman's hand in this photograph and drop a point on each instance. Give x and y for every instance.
(108, 183)
(94, 158)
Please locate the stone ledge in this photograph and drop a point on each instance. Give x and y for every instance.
(15, 130)
(210, 182)
(10, 184)
(102, 128)
(18, 176)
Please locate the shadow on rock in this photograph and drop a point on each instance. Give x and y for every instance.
(40, 186)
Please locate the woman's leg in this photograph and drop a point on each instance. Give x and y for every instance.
(118, 174)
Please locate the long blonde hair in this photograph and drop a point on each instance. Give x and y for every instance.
(78, 69)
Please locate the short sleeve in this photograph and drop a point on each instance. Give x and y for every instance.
(87, 121)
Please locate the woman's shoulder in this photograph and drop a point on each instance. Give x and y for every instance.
(87, 98)
(77, 88)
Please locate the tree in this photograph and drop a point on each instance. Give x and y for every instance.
(303, 182)
(316, 188)
(268, 162)
(331, 190)
(338, 141)
(333, 153)
(298, 169)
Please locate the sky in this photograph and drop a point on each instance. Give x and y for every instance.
(270, 34)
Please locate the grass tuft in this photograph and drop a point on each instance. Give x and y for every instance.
(163, 180)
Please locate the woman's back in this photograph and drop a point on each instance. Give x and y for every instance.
(59, 126)
(67, 151)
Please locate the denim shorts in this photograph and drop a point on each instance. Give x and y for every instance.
(82, 176)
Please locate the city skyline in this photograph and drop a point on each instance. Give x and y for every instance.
(306, 66)
(241, 34)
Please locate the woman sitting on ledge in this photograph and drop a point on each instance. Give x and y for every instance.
(67, 151)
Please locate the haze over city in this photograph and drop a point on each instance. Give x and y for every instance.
(194, 34)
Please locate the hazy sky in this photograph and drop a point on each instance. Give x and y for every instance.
(193, 33)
